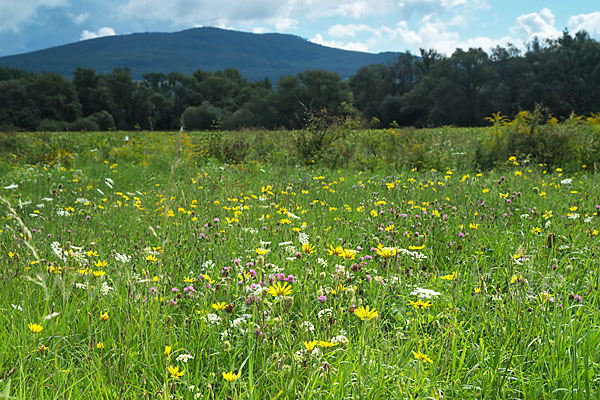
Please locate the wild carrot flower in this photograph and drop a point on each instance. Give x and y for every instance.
(364, 313)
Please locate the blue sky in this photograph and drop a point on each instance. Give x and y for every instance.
(365, 25)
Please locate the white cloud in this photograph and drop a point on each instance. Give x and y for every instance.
(105, 31)
(433, 33)
(540, 25)
(285, 24)
(80, 18)
(180, 13)
(350, 30)
(408, 8)
(587, 22)
(14, 14)
(359, 9)
(355, 46)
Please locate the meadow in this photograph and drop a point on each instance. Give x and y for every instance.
(397, 267)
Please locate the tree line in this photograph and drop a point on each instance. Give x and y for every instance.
(429, 89)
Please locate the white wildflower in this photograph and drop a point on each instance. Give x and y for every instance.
(341, 339)
(303, 237)
(424, 293)
(122, 258)
(185, 358)
(57, 249)
(105, 289)
(307, 326)
(213, 319)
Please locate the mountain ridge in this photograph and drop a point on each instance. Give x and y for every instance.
(256, 56)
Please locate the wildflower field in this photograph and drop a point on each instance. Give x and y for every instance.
(146, 270)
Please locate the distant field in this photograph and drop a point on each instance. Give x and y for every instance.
(385, 264)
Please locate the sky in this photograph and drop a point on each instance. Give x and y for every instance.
(365, 25)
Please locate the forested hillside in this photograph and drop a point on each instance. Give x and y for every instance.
(255, 56)
(562, 76)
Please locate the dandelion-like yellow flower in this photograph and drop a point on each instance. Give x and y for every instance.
(280, 290)
(325, 344)
(416, 247)
(365, 314)
(422, 357)
(175, 372)
(104, 316)
(308, 248)
(348, 254)
(35, 328)
(219, 306)
(386, 252)
(167, 350)
(310, 346)
(260, 251)
(100, 264)
(450, 277)
(231, 376)
(42, 349)
(337, 251)
(420, 304)
(100, 345)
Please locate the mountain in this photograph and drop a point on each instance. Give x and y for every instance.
(256, 56)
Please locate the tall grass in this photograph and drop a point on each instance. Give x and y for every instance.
(490, 289)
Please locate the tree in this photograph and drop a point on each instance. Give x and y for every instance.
(92, 92)
(54, 97)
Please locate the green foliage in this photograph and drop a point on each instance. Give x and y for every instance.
(203, 117)
(530, 135)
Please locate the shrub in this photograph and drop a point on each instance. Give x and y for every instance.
(206, 116)
(84, 125)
